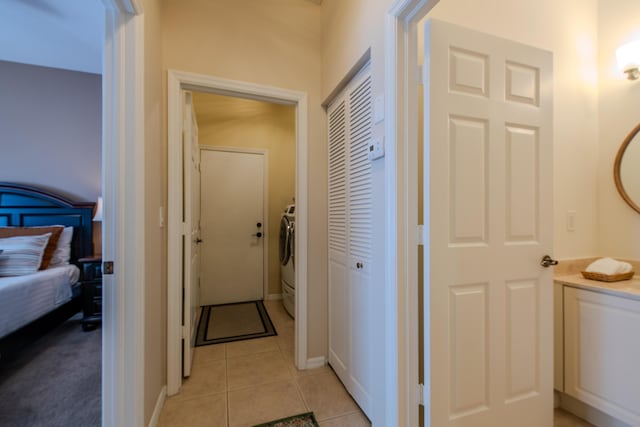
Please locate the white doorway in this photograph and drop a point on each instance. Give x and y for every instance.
(233, 225)
(178, 82)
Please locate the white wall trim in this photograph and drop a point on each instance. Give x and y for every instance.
(157, 410)
(265, 205)
(316, 362)
(178, 81)
(123, 226)
(401, 175)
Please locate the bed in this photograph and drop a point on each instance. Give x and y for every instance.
(32, 303)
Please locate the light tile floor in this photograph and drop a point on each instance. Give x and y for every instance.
(564, 419)
(249, 382)
(245, 383)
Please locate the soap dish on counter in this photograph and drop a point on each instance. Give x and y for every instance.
(607, 277)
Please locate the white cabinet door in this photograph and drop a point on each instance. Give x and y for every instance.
(602, 352)
(351, 333)
(558, 337)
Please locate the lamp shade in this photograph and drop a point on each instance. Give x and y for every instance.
(628, 56)
(98, 215)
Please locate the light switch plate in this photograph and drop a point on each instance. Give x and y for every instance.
(376, 148)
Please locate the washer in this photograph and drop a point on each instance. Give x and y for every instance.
(287, 258)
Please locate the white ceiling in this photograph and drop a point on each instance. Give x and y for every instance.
(53, 33)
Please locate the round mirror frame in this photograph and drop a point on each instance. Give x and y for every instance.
(616, 169)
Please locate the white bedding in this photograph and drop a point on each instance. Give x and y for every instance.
(26, 298)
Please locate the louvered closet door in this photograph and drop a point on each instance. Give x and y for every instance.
(359, 223)
(338, 289)
(350, 187)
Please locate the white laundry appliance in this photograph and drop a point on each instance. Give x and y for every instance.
(287, 252)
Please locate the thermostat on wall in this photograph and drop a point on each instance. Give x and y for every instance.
(376, 148)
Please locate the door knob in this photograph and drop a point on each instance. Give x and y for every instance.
(548, 261)
(198, 240)
(259, 225)
(258, 234)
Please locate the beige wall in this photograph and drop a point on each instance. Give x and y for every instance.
(275, 43)
(619, 102)
(155, 347)
(51, 129)
(261, 125)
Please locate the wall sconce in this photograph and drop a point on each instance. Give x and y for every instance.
(98, 216)
(629, 59)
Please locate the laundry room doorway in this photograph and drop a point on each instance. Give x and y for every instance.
(257, 104)
(233, 215)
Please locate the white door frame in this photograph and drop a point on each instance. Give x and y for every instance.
(401, 191)
(177, 82)
(265, 205)
(123, 236)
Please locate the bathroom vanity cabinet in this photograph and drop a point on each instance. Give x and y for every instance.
(598, 346)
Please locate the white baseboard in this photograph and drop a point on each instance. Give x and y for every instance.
(155, 417)
(589, 413)
(273, 297)
(316, 362)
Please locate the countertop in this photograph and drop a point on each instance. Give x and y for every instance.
(624, 288)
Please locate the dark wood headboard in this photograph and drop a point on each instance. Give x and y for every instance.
(27, 206)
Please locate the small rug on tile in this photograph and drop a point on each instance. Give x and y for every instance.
(233, 322)
(302, 420)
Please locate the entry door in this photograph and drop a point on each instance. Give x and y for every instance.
(191, 280)
(232, 226)
(488, 192)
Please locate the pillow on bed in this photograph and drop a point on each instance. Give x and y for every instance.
(62, 254)
(22, 254)
(55, 231)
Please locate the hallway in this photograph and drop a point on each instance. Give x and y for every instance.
(249, 382)
(245, 383)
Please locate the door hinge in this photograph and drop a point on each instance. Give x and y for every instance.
(421, 394)
(185, 229)
(107, 267)
(183, 332)
(421, 235)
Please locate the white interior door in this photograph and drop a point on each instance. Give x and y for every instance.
(232, 207)
(488, 193)
(191, 257)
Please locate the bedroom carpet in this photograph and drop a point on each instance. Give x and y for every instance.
(233, 322)
(55, 381)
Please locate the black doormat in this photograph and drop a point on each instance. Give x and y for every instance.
(302, 420)
(233, 322)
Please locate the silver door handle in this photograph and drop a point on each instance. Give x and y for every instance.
(547, 261)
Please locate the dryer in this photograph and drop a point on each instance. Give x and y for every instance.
(287, 252)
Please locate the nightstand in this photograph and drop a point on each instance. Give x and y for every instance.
(91, 280)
